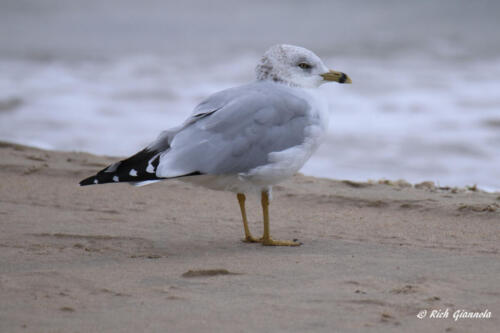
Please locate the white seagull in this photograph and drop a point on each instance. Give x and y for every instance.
(244, 139)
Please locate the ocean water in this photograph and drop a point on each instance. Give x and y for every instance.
(107, 77)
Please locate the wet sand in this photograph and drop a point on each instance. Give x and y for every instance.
(168, 257)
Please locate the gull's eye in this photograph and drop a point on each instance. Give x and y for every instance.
(304, 65)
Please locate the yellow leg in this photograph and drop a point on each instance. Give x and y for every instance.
(248, 236)
(266, 238)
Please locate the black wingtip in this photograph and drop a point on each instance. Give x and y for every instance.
(135, 169)
(88, 181)
(139, 167)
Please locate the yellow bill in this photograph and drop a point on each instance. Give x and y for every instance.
(335, 76)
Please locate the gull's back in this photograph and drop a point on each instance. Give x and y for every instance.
(235, 130)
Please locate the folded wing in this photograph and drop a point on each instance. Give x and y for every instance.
(231, 132)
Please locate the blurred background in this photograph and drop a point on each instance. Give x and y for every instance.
(107, 76)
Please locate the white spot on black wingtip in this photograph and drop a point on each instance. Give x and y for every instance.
(133, 173)
(153, 163)
(96, 181)
(116, 179)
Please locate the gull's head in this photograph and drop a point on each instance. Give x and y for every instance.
(296, 66)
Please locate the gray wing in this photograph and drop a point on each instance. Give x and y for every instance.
(235, 131)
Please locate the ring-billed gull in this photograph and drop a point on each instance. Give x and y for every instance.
(244, 139)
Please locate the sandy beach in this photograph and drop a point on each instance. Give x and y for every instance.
(169, 258)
